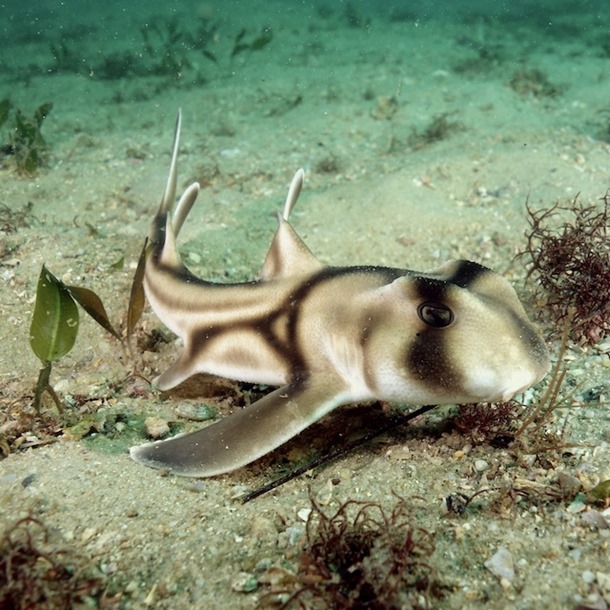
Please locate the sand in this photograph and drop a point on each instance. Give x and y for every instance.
(347, 93)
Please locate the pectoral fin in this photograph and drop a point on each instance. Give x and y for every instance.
(247, 435)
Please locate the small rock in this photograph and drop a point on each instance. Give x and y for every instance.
(263, 528)
(500, 564)
(88, 534)
(324, 496)
(132, 587)
(303, 514)
(244, 582)
(385, 108)
(603, 582)
(481, 465)
(151, 599)
(568, 483)
(294, 533)
(456, 503)
(27, 481)
(593, 394)
(156, 427)
(200, 412)
(528, 459)
(576, 506)
(594, 519)
(600, 494)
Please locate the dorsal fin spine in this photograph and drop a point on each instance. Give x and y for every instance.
(293, 193)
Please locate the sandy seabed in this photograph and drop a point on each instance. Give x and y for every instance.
(350, 95)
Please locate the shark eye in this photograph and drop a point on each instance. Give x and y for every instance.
(436, 315)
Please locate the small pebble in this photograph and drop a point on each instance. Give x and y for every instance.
(528, 459)
(132, 587)
(200, 412)
(569, 483)
(151, 599)
(324, 496)
(263, 528)
(156, 427)
(244, 582)
(481, 465)
(603, 582)
(303, 514)
(456, 503)
(294, 533)
(500, 564)
(88, 534)
(28, 480)
(594, 519)
(593, 394)
(577, 506)
(385, 108)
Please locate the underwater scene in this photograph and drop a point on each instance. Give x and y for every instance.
(380, 310)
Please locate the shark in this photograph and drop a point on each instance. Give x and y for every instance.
(326, 336)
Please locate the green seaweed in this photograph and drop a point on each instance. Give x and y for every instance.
(26, 144)
(168, 46)
(258, 43)
(439, 128)
(5, 106)
(65, 58)
(532, 82)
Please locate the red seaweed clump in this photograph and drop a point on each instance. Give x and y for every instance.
(364, 558)
(571, 264)
(34, 573)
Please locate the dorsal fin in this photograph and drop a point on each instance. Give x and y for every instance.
(171, 217)
(169, 196)
(288, 255)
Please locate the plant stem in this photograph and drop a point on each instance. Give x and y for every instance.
(44, 385)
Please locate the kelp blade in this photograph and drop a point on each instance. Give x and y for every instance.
(137, 297)
(93, 305)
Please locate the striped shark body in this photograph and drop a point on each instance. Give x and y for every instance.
(327, 336)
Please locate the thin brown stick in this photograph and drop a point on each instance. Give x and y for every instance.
(549, 400)
(336, 453)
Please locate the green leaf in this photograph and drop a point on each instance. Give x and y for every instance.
(55, 320)
(136, 298)
(26, 130)
(86, 425)
(41, 113)
(263, 39)
(93, 305)
(120, 264)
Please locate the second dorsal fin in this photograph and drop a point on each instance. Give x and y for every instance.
(288, 255)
